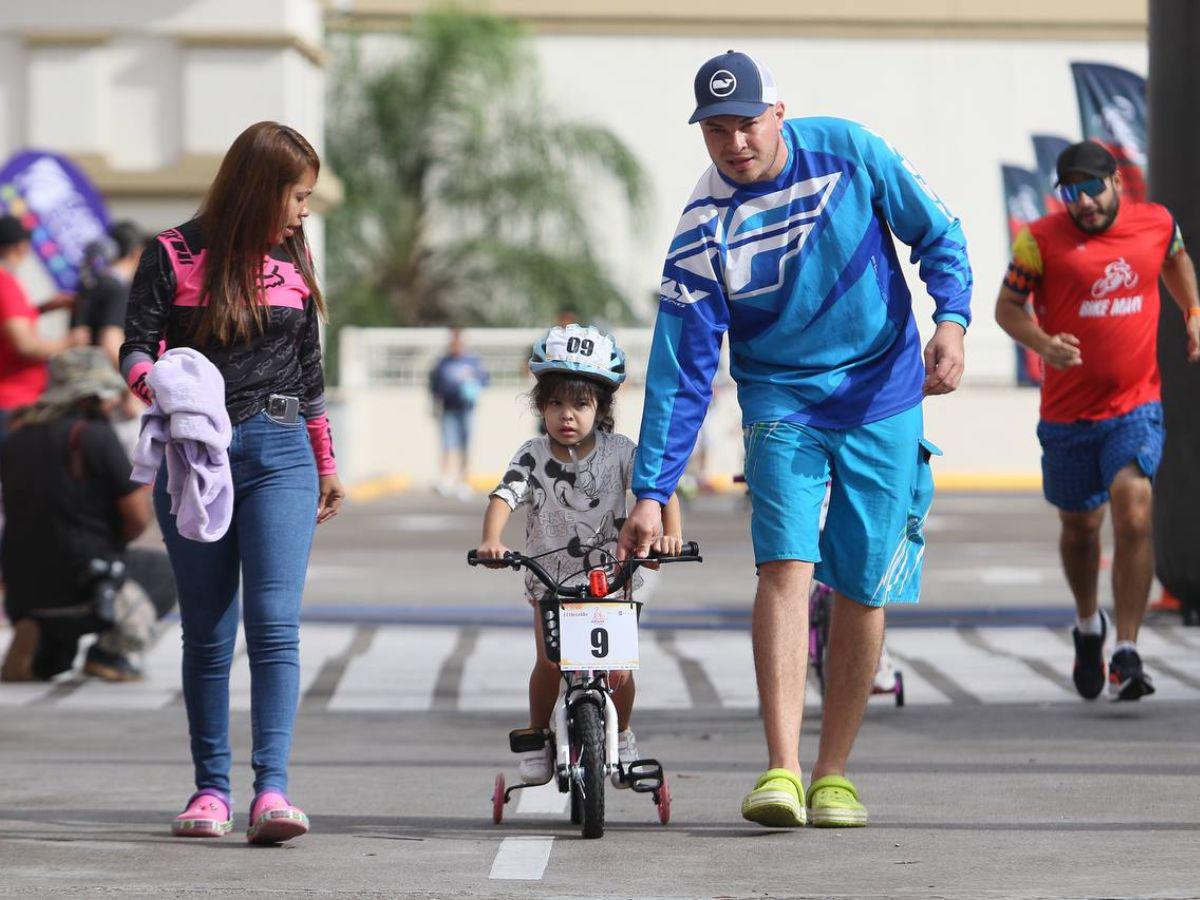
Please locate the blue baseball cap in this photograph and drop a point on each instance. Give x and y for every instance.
(733, 84)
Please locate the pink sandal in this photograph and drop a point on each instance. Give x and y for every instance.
(274, 820)
(207, 815)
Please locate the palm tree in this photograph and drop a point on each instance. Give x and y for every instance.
(464, 197)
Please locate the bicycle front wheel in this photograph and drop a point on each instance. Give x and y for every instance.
(589, 732)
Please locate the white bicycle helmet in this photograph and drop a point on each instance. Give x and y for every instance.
(579, 350)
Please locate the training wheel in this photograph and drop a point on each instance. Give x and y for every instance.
(498, 800)
(662, 799)
(899, 689)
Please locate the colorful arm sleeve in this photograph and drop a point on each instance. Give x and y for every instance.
(320, 435)
(693, 316)
(921, 220)
(1176, 244)
(1025, 269)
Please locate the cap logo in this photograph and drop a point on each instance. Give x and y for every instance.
(722, 84)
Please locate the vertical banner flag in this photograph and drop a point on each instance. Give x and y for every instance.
(1112, 108)
(1023, 204)
(58, 205)
(1046, 149)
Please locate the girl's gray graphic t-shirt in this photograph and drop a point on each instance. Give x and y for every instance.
(577, 506)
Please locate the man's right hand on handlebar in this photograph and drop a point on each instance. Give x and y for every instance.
(642, 528)
(492, 550)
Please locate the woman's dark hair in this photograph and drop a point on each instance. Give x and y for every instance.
(242, 217)
(575, 389)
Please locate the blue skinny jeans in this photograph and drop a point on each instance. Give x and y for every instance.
(266, 549)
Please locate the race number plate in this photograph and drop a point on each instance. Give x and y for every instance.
(598, 636)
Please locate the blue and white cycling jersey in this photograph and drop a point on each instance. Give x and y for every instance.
(803, 274)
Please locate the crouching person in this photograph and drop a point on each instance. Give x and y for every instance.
(70, 512)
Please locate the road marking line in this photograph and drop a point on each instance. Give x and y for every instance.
(543, 799)
(398, 672)
(522, 858)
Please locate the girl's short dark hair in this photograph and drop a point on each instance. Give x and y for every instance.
(575, 389)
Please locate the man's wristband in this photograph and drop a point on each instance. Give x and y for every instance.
(1193, 312)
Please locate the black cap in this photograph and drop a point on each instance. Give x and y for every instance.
(12, 231)
(1087, 158)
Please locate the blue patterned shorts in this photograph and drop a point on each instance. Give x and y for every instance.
(1081, 459)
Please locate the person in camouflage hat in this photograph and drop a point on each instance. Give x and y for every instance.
(81, 376)
(71, 510)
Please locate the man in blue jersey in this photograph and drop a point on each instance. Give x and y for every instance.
(786, 244)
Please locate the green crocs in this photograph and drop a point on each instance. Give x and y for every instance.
(833, 803)
(776, 801)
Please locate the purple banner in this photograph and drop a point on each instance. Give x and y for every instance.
(1113, 111)
(59, 205)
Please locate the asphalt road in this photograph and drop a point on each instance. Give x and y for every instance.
(984, 552)
(993, 781)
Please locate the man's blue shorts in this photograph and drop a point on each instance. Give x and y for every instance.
(873, 544)
(1081, 459)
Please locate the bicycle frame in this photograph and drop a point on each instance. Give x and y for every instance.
(590, 687)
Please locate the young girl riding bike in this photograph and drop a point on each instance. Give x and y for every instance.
(574, 479)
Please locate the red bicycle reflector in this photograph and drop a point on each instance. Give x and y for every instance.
(598, 583)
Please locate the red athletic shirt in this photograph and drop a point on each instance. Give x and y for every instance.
(1102, 288)
(21, 380)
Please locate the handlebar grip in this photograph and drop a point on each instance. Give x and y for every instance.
(687, 551)
(509, 559)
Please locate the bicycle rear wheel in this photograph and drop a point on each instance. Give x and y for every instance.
(589, 732)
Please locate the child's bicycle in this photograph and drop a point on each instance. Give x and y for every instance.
(888, 679)
(584, 628)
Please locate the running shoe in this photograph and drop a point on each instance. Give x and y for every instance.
(537, 766)
(1088, 673)
(833, 803)
(627, 752)
(207, 815)
(776, 801)
(274, 820)
(1126, 678)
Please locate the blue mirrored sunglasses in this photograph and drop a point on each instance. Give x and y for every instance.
(1071, 193)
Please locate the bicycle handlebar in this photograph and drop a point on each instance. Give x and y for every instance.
(690, 552)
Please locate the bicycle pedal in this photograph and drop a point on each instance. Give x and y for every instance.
(643, 776)
(523, 740)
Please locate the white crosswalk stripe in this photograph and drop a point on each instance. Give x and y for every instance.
(403, 668)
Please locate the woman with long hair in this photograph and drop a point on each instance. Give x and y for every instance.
(237, 284)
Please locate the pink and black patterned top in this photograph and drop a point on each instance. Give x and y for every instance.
(285, 358)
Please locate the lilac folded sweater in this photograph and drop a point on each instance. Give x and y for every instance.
(188, 423)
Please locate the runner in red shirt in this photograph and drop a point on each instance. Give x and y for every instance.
(1095, 268)
(23, 353)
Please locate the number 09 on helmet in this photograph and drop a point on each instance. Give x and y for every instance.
(579, 350)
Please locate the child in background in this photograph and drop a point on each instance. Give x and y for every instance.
(574, 479)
